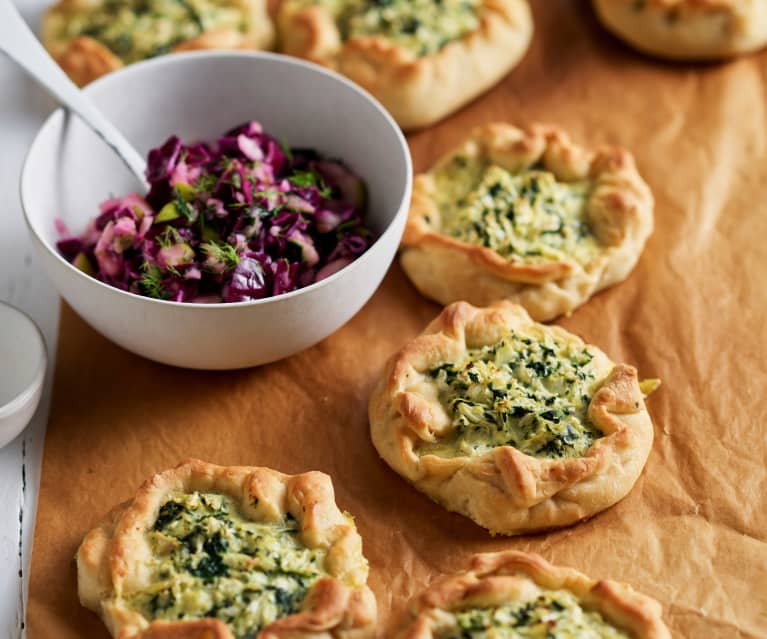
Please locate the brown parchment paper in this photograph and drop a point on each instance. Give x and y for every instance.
(691, 533)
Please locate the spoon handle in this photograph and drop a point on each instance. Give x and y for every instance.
(20, 44)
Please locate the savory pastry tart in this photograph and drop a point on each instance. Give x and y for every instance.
(517, 425)
(516, 594)
(423, 59)
(526, 215)
(89, 38)
(206, 551)
(687, 29)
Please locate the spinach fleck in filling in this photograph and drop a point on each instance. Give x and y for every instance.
(138, 29)
(208, 561)
(526, 392)
(554, 614)
(420, 26)
(528, 216)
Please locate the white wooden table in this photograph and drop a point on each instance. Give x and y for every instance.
(23, 107)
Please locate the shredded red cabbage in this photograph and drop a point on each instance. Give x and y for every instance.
(240, 220)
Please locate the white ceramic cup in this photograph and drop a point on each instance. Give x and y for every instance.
(199, 96)
(22, 371)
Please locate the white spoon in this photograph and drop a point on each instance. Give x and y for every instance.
(21, 45)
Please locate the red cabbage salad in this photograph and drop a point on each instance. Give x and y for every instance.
(243, 219)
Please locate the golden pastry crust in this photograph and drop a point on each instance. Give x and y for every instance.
(494, 579)
(687, 29)
(504, 489)
(619, 210)
(85, 59)
(111, 561)
(417, 91)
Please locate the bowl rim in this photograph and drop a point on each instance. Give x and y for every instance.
(21, 399)
(178, 58)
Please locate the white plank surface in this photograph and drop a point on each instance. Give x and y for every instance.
(23, 108)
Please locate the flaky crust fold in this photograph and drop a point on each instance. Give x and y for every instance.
(416, 91)
(111, 561)
(687, 29)
(494, 579)
(619, 209)
(85, 59)
(505, 490)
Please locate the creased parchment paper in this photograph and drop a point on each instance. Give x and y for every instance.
(691, 533)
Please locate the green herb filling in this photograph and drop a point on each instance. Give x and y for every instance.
(208, 561)
(554, 614)
(524, 392)
(423, 27)
(138, 29)
(528, 216)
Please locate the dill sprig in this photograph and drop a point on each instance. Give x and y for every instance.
(151, 281)
(183, 206)
(223, 253)
(310, 178)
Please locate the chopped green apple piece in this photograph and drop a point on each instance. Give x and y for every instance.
(168, 213)
(82, 262)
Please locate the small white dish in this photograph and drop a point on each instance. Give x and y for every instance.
(69, 170)
(22, 371)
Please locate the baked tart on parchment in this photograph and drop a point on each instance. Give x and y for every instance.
(212, 552)
(89, 38)
(528, 216)
(517, 425)
(521, 595)
(423, 59)
(687, 29)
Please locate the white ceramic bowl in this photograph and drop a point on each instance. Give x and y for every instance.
(22, 371)
(68, 171)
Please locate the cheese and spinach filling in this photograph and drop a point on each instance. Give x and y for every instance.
(138, 29)
(528, 216)
(531, 393)
(554, 614)
(208, 561)
(423, 27)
